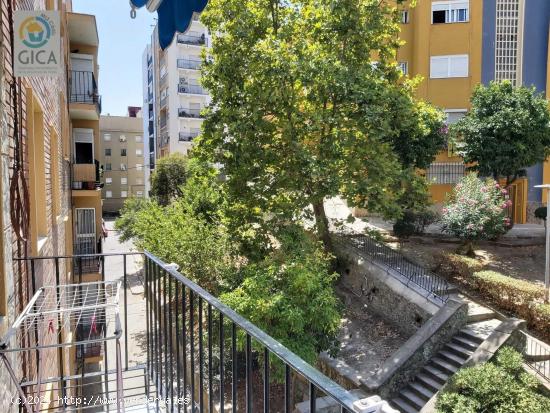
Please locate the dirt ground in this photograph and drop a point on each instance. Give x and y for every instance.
(524, 262)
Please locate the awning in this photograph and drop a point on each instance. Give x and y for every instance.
(174, 16)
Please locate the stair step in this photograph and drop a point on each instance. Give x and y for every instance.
(444, 365)
(412, 398)
(421, 390)
(428, 382)
(403, 406)
(464, 342)
(436, 374)
(451, 358)
(458, 350)
(471, 335)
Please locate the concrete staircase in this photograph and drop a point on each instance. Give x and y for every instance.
(440, 368)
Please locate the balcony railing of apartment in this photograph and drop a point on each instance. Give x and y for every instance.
(189, 113)
(192, 89)
(164, 141)
(83, 89)
(196, 40)
(163, 80)
(193, 64)
(445, 173)
(86, 176)
(163, 101)
(192, 346)
(163, 122)
(187, 136)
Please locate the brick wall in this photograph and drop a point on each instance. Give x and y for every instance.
(47, 91)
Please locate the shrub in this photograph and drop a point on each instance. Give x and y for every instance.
(413, 223)
(501, 386)
(540, 213)
(476, 211)
(454, 265)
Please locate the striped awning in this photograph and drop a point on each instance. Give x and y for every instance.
(173, 16)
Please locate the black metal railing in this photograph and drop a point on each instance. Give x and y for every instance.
(192, 89)
(445, 173)
(187, 136)
(196, 40)
(197, 347)
(194, 64)
(537, 356)
(83, 89)
(189, 113)
(377, 251)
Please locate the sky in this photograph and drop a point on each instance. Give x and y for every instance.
(121, 44)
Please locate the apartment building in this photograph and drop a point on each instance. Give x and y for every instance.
(123, 159)
(173, 96)
(457, 44)
(51, 205)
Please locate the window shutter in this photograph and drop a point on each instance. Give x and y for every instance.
(439, 67)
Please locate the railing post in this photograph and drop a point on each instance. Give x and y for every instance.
(125, 312)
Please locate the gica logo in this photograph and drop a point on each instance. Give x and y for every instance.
(35, 32)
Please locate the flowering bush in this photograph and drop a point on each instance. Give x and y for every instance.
(476, 210)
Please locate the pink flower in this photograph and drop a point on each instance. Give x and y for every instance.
(497, 185)
(504, 192)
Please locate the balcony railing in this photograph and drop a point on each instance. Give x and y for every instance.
(163, 101)
(187, 136)
(189, 113)
(193, 64)
(86, 176)
(164, 141)
(192, 89)
(445, 173)
(195, 40)
(191, 345)
(163, 122)
(83, 89)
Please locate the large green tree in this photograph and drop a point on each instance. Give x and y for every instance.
(168, 177)
(506, 131)
(308, 103)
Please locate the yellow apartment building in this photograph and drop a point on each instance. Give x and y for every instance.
(457, 44)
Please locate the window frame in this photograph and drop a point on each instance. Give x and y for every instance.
(449, 59)
(449, 11)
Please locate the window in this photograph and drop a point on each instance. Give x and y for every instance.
(453, 11)
(139, 139)
(448, 66)
(123, 152)
(454, 115)
(445, 173)
(404, 16)
(122, 138)
(124, 194)
(507, 58)
(108, 194)
(107, 137)
(107, 151)
(139, 194)
(123, 181)
(122, 166)
(404, 67)
(108, 181)
(139, 152)
(108, 167)
(139, 167)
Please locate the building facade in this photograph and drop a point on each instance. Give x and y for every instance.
(123, 158)
(457, 44)
(173, 95)
(48, 129)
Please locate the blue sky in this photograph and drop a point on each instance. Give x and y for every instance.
(121, 44)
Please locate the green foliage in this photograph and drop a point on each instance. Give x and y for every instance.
(499, 387)
(126, 223)
(302, 113)
(413, 223)
(169, 175)
(507, 130)
(290, 295)
(540, 213)
(476, 210)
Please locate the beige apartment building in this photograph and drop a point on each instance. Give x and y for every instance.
(122, 159)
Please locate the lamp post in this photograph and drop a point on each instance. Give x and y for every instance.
(547, 263)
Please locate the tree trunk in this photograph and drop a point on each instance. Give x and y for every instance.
(321, 223)
(467, 249)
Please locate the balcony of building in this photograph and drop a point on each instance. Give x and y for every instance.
(188, 136)
(192, 39)
(173, 347)
(84, 99)
(184, 88)
(164, 140)
(194, 113)
(189, 63)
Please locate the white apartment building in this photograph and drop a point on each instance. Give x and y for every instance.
(173, 95)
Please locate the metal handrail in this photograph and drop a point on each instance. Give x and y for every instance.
(193, 89)
(193, 64)
(83, 88)
(189, 113)
(436, 286)
(537, 356)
